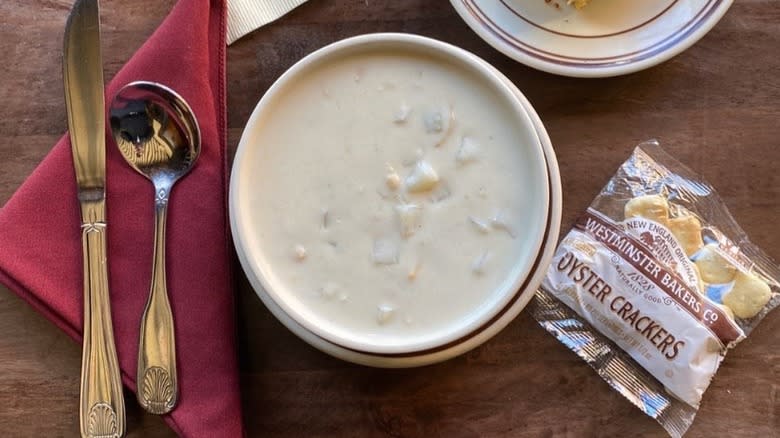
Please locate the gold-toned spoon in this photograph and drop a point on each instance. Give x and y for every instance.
(158, 135)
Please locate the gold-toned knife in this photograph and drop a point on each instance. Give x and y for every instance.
(101, 405)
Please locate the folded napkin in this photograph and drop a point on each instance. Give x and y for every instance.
(40, 232)
(244, 16)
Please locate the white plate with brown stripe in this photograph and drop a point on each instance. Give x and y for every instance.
(605, 38)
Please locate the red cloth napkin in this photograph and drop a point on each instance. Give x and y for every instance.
(41, 242)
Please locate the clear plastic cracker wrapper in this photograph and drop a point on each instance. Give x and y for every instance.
(654, 284)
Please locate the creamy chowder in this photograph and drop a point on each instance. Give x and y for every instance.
(392, 199)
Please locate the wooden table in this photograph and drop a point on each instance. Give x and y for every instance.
(715, 107)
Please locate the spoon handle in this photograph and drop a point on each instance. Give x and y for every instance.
(157, 383)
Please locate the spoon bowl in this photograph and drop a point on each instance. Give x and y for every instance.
(155, 130)
(157, 133)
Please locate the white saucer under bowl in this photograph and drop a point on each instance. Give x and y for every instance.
(479, 323)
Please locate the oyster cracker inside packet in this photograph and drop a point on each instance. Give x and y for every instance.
(654, 284)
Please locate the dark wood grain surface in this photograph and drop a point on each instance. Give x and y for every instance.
(716, 107)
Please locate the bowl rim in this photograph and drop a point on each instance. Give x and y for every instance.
(255, 270)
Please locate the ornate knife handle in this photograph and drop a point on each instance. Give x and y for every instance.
(157, 381)
(102, 406)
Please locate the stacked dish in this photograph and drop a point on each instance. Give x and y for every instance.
(394, 200)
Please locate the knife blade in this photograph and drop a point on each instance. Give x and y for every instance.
(101, 404)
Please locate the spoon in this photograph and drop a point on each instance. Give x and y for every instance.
(158, 135)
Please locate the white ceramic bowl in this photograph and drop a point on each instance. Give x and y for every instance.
(259, 267)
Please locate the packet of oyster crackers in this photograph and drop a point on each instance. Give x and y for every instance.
(654, 284)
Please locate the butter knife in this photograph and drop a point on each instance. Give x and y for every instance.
(101, 404)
